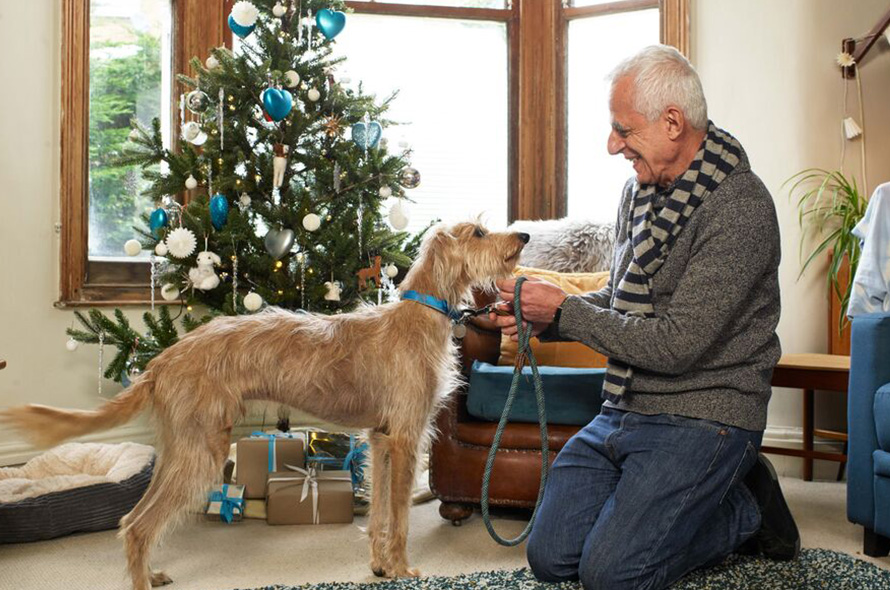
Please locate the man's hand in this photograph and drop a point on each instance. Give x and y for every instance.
(539, 302)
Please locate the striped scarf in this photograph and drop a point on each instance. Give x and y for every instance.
(653, 235)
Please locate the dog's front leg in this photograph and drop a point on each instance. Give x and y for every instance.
(380, 476)
(402, 463)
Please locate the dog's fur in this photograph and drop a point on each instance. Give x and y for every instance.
(384, 368)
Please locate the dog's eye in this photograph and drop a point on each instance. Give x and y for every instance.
(479, 233)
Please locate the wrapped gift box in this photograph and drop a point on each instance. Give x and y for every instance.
(261, 454)
(226, 503)
(340, 451)
(308, 496)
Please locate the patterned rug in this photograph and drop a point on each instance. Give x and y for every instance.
(816, 569)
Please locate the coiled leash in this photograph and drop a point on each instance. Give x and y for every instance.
(524, 353)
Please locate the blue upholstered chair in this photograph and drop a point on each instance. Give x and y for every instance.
(868, 471)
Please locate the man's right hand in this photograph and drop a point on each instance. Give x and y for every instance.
(504, 316)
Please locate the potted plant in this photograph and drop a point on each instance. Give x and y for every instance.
(830, 205)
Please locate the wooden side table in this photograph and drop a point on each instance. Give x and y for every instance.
(830, 372)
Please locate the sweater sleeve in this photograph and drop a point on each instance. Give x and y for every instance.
(734, 249)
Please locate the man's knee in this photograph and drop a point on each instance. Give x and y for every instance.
(545, 561)
(605, 572)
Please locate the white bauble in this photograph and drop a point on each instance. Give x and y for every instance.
(169, 292)
(313, 94)
(192, 133)
(161, 249)
(253, 301)
(133, 135)
(385, 192)
(181, 242)
(398, 219)
(72, 345)
(211, 63)
(311, 222)
(244, 200)
(191, 183)
(279, 10)
(392, 270)
(132, 247)
(291, 78)
(244, 13)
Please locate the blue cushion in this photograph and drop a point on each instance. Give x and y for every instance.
(882, 508)
(869, 370)
(882, 416)
(571, 396)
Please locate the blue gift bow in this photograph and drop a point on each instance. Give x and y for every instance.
(352, 462)
(271, 436)
(227, 504)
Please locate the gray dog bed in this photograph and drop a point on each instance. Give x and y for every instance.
(77, 487)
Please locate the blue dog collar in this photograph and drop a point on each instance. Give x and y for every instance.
(439, 305)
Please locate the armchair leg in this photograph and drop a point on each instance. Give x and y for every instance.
(875, 545)
(456, 512)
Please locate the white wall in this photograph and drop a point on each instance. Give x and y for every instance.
(768, 73)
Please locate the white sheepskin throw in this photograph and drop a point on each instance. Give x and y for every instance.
(73, 465)
(567, 245)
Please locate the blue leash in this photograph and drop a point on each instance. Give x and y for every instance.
(524, 352)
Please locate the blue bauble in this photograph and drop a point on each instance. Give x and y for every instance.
(219, 211)
(367, 135)
(157, 220)
(277, 102)
(330, 22)
(240, 30)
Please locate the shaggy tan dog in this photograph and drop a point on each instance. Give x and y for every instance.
(384, 368)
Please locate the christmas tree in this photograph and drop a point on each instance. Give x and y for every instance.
(286, 173)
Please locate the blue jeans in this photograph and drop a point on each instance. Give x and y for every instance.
(635, 502)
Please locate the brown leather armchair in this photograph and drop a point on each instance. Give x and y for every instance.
(460, 450)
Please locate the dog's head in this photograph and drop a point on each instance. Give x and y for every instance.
(454, 259)
(208, 259)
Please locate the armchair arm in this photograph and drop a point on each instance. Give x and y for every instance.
(869, 370)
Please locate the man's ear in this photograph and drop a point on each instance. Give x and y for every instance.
(675, 122)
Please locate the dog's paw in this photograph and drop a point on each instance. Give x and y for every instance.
(160, 579)
(404, 572)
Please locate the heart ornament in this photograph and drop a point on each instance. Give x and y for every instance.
(279, 242)
(277, 102)
(366, 135)
(330, 22)
(240, 30)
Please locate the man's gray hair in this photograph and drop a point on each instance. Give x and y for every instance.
(663, 77)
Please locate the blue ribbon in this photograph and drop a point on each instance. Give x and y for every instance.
(227, 504)
(271, 436)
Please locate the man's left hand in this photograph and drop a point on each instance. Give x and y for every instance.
(539, 302)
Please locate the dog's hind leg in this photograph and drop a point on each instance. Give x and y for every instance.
(380, 475)
(186, 469)
(402, 464)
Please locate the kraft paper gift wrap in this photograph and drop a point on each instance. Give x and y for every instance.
(261, 454)
(307, 496)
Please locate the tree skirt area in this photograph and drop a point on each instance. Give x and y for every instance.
(816, 569)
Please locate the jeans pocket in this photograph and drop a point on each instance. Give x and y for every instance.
(747, 460)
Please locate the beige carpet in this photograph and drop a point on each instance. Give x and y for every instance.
(210, 556)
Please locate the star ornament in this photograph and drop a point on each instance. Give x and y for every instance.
(333, 126)
(845, 60)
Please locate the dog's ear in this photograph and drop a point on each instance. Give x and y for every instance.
(447, 262)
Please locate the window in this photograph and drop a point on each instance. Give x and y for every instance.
(595, 178)
(500, 96)
(454, 105)
(118, 60)
(130, 78)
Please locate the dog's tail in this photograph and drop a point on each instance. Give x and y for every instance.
(46, 426)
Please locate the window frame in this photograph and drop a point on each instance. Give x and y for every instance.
(198, 26)
(537, 32)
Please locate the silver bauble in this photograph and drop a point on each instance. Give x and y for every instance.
(197, 101)
(409, 177)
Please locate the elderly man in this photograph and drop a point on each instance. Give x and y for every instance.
(668, 477)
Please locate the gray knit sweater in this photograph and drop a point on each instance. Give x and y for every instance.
(710, 350)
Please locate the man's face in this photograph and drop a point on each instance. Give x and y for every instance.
(644, 143)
